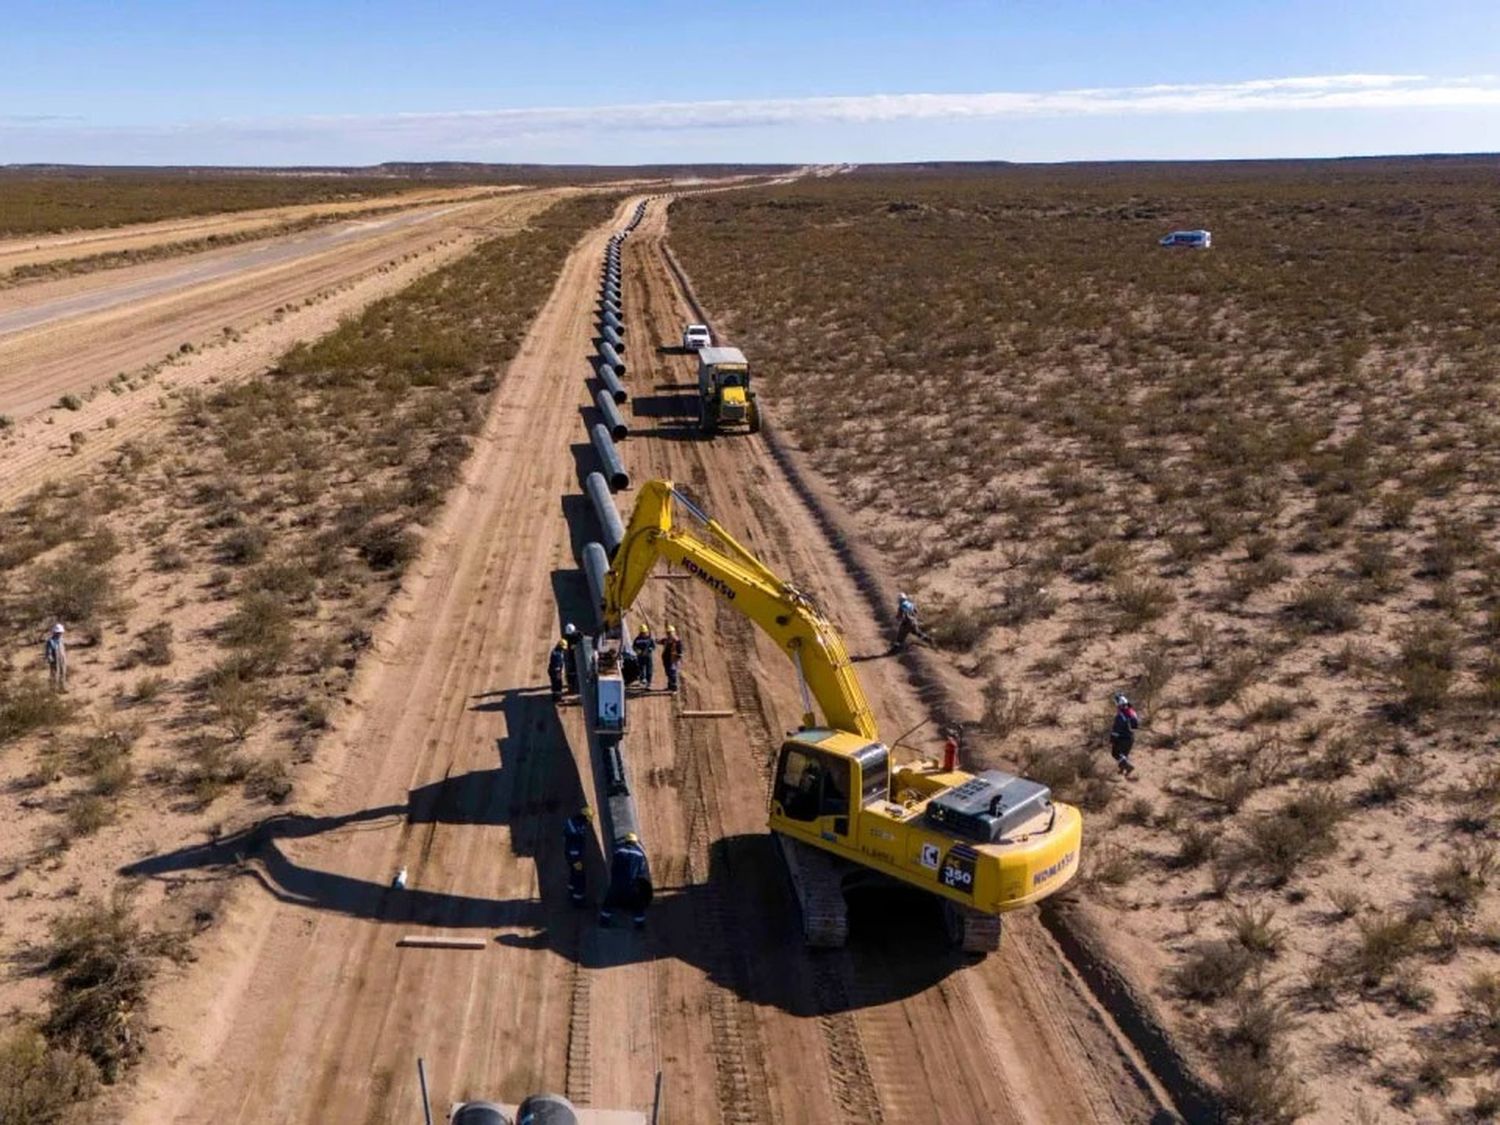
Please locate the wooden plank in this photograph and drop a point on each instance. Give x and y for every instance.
(707, 714)
(419, 941)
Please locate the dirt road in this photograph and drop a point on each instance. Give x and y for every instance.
(65, 336)
(25, 251)
(454, 764)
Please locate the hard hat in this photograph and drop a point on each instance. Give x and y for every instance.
(672, 630)
(58, 628)
(563, 645)
(632, 838)
(902, 596)
(1121, 701)
(586, 812)
(569, 629)
(644, 631)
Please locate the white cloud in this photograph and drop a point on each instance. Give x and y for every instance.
(504, 133)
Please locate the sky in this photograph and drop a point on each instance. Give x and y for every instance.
(341, 82)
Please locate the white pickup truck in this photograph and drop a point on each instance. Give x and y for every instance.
(696, 336)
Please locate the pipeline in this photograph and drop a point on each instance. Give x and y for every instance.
(609, 457)
(613, 421)
(612, 319)
(595, 567)
(608, 335)
(612, 357)
(610, 525)
(612, 382)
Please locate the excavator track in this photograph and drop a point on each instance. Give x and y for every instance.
(972, 930)
(818, 880)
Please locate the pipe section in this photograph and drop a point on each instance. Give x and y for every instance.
(609, 458)
(612, 382)
(612, 357)
(609, 336)
(614, 422)
(595, 567)
(610, 524)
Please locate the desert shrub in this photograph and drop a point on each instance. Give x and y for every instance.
(70, 402)
(148, 688)
(72, 589)
(1260, 1024)
(1396, 782)
(1006, 710)
(1231, 676)
(1110, 865)
(29, 704)
(237, 705)
(1280, 842)
(1254, 930)
(1261, 1090)
(154, 644)
(1322, 605)
(1424, 666)
(1023, 600)
(1460, 880)
(1346, 901)
(100, 963)
(388, 547)
(1213, 971)
(168, 557)
(40, 1084)
(1140, 600)
(244, 545)
(292, 579)
(1385, 940)
(261, 626)
(86, 813)
(1196, 846)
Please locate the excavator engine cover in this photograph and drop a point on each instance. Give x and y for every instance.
(989, 806)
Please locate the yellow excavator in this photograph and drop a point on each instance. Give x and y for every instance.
(841, 810)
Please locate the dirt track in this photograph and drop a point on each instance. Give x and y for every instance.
(454, 764)
(25, 251)
(63, 337)
(37, 367)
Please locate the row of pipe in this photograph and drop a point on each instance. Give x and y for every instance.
(619, 821)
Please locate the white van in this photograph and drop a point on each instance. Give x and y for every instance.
(1192, 239)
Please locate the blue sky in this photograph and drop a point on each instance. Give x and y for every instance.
(360, 81)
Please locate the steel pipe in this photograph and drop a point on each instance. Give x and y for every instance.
(612, 319)
(611, 382)
(609, 336)
(609, 458)
(610, 525)
(614, 421)
(595, 567)
(612, 357)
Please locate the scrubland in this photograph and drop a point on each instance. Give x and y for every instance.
(219, 582)
(37, 201)
(1256, 488)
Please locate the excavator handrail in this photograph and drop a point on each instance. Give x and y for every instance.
(785, 614)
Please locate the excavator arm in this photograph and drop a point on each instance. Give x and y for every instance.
(785, 614)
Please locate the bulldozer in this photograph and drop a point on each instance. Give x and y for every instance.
(843, 811)
(724, 394)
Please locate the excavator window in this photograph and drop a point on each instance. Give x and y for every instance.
(813, 786)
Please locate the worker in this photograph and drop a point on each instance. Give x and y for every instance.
(645, 647)
(56, 653)
(629, 882)
(557, 662)
(1122, 734)
(570, 666)
(671, 656)
(576, 832)
(906, 623)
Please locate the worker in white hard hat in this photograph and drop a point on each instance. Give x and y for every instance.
(56, 653)
(1122, 734)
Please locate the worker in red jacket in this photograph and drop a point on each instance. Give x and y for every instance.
(671, 656)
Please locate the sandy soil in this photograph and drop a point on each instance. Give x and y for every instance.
(451, 762)
(267, 312)
(139, 236)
